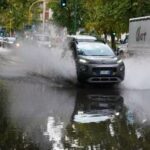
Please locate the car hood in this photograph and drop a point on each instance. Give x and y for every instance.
(100, 59)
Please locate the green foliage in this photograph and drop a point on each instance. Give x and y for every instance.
(67, 16)
(3, 4)
(100, 16)
(15, 13)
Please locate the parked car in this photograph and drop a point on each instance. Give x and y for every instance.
(1, 41)
(96, 62)
(11, 42)
(123, 45)
(42, 40)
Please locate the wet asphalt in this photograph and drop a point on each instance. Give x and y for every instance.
(37, 114)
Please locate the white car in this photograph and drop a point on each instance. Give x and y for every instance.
(11, 42)
(82, 37)
(42, 40)
(123, 48)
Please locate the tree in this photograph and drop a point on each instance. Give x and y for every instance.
(101, 16)
(70, 16)
(15, 13)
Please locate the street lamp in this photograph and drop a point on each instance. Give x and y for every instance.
(75, 16)
(44, 10)
(10, 23)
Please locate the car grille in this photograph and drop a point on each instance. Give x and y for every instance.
(97, 70)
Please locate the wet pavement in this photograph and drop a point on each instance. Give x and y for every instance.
(36, 114)
(42, 107)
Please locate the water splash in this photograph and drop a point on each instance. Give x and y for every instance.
(55, 62)
(137, 73)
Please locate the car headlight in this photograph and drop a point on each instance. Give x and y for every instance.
(82, 61)
(121, 68)
(17, 45)
(119, 61)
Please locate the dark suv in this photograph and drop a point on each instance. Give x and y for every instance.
(95, 61)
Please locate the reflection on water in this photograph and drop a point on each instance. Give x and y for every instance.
(11, 137)
(138, 102)
(96, 107)
(34, 116)
(37, 116)
(55, 132)
(102, 121)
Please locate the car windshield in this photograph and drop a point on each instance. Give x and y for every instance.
(94, 49)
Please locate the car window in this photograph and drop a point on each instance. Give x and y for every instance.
(94, 49)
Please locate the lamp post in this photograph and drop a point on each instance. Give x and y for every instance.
(44, 10)
(10, 26)
(10, 23)
(75, 16)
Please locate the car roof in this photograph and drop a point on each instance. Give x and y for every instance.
(92, 42)
(82, 37)
(98, 43)
(85, 38)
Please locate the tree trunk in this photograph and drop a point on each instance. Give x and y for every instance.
(105, 36)
(113, 43)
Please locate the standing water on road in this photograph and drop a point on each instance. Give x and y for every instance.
(36, 115)
(40, 117)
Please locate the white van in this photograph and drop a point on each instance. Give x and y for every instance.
(42, 40)
(139, 35)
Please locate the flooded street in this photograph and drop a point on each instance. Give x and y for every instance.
(36, 114)
(43, 108)
(74, 75)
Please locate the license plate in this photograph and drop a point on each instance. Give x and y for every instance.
(105, 72)
(103, 105)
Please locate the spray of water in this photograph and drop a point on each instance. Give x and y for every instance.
(55, 62)
(137, 72)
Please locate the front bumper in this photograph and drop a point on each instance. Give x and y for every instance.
(101, 73)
